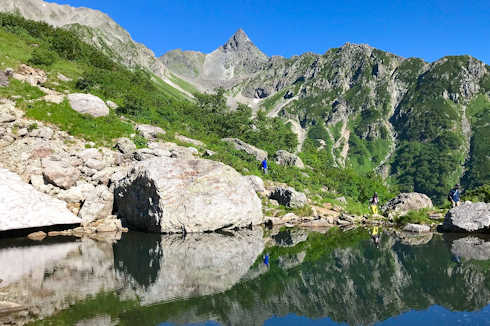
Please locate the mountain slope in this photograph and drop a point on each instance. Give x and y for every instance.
(93, 26)
(372, 110)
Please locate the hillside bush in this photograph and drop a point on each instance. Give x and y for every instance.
(42, 56)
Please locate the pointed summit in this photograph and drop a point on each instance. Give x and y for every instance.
(238, 41)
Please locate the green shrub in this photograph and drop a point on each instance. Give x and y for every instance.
(420, 216)
(140, 141)
(42, 56)
(480, 194)
(32, 126)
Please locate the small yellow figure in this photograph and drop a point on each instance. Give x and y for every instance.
(375, 235)
(374, 204)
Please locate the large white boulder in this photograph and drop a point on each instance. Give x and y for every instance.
(21, 206)
(88, 104)
(171, 195)
(468, 217)
(405, 202)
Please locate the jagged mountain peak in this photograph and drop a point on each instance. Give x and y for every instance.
(240, 42)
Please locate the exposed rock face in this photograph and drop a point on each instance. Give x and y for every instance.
(149, 131)
(405, 202)
(88, 104)
(240, 145)
(59, 172)
(21, 206)
(289, 197)
(169, 195)
(288, 159)
(468, 217)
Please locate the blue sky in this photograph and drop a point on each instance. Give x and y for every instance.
(428, 29)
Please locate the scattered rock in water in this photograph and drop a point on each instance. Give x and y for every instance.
(405, 202)
(174, 196)
(416, 228)
(288, 159)
(240, 145)
(37, 236)
(88, 104)
(288, 197)
(149, 131)
(22, 207)
(468, 217)
(322, 223)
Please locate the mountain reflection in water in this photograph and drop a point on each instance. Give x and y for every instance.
(221, 279)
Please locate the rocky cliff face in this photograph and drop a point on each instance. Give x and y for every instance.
(95, 28)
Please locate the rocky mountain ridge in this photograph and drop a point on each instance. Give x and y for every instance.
(366, 108)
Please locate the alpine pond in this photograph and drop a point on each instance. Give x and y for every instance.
(250, 277)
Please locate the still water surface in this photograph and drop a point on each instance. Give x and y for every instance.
(252, 277)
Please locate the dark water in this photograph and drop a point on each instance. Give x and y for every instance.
(311, 278)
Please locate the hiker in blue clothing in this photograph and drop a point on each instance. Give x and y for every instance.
(264, 166)
(454, 195)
